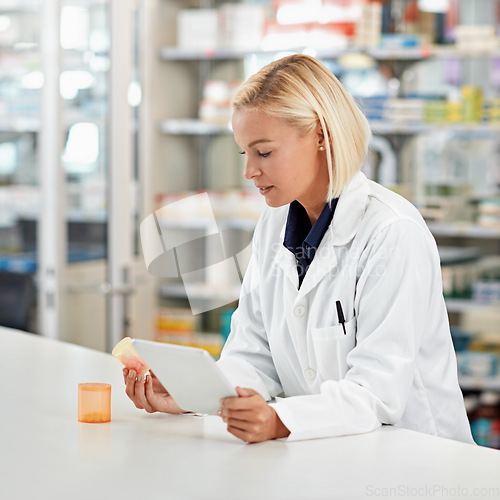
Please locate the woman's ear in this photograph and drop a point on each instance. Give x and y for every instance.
(321, 137)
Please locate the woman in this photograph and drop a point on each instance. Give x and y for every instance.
(341, 309)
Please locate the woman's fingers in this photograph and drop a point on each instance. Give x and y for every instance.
(134, 388)
(140, 394)
(250, 418)
(147, 393)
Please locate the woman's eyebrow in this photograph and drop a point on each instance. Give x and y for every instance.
(258, 141)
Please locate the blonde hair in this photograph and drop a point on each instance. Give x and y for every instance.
(304, 93)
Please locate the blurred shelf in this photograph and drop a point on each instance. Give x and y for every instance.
(173, 53)
(20, 124)
(20, 47)
(199, 291)
(403, 128)
(447, 51)
(188, 126)
(31, 124)
(20, 6)
(408, 54)
(27, 262)
(246, 224)
(480, 383)
(193, 127)
(464, 305)
(409, 128)
(464, 230)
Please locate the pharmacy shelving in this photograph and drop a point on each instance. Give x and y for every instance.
(173, 53)
(464, 230)
(464, 305)
(199, 291)
(182, 130)
(246, 224)
(192, 126)
(480, 383)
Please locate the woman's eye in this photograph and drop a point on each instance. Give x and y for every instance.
(242, 152)
(264, 155)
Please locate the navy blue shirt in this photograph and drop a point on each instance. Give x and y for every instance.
(302, 239)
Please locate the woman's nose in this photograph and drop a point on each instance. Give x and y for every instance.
(250, 171)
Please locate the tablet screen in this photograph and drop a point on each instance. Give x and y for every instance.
(189, 374)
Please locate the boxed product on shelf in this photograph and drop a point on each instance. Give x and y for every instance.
(401, 110)
(466, 105)
(491, 110)
(461, 338)
(373, 107)
(477, 364)
(454, 106)
(231, 26)
(407, 110)
(399, 41)
(369, 25)
(484, 417)
(483, 322)
(313, 35)
(215, 107)
(460, 269)
(435, 110)
(472, 103)
(488, 342)
(197, 29)
(176, 325)
(327, 24)
(241, 26)
(223, 205)
(488, 213)
(445, 208)
(476, 38)
(486, 292)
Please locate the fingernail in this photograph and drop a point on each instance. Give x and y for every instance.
(146, 379)
(139, 377)
(131, 374)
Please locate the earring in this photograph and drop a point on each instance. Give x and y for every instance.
(321, 148)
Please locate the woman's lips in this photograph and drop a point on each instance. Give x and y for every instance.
(265, 190)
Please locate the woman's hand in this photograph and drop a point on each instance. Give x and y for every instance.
(250, 418)
(147, 393)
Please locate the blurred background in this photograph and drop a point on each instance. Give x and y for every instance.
(113, 109)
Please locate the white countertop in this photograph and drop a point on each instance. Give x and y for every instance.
(45, 453)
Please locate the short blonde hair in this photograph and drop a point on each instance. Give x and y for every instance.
(302, 91)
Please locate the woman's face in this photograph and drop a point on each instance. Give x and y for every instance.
(283, 164)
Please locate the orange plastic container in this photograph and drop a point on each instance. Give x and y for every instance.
(94, 403)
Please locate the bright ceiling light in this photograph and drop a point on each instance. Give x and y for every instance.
(437, 6)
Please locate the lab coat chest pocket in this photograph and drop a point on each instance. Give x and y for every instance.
(331, 347)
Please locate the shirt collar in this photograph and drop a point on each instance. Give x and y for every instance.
(299, 235)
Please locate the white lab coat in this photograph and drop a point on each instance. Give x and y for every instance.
(396, 364)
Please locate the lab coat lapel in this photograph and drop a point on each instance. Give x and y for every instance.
(350, 210)
(324, 262)
(285, 260)
(346, 219)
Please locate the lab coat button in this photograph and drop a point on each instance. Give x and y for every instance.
(310, 374)
(299, 311)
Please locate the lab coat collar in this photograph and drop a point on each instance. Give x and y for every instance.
(348, 214)
(350, 210)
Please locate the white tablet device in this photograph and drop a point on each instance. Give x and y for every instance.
(189, 374)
